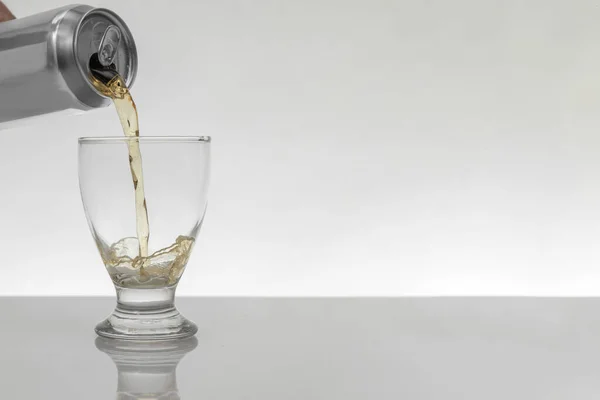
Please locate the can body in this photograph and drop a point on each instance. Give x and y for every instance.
(44, 61)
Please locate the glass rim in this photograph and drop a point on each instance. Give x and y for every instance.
(143, 139)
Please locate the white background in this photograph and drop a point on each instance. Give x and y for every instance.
(359, 148)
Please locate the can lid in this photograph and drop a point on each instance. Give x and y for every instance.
(80, 33)
(91, 36)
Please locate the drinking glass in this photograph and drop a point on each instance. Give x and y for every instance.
(175, 181)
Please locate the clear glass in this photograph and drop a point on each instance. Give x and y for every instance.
(175, 176)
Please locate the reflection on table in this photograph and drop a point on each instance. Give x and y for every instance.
(146, 370)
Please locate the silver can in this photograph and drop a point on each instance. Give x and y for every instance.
(44, 60)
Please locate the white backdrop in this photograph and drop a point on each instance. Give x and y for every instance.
(359, 148)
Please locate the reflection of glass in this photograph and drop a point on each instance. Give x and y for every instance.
(147, 370)
(173, 171)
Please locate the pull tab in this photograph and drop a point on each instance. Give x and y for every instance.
(109, 45)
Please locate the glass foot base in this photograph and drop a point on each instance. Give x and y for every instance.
(146, 314)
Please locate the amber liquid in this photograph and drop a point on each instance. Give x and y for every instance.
(127, 111)
(127, 260)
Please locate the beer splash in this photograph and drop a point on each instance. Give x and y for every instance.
(127, 260)
(163, 268)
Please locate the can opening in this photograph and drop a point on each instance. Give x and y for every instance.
(103, 73)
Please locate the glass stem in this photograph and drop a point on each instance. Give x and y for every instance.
(150, 301)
